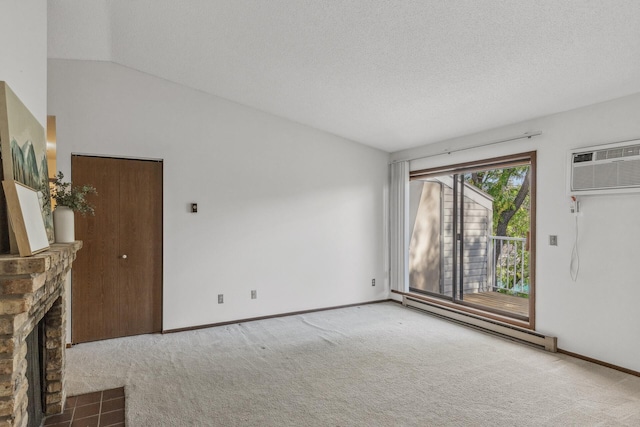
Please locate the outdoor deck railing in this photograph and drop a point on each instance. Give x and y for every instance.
(510, 262)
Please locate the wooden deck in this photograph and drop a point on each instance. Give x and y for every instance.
(498, 301)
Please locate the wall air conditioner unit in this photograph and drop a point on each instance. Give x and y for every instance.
(605, 169)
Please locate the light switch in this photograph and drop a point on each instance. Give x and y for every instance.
(194, 207)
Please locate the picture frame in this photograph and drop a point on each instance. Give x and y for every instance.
(24, 159)
(25, 217)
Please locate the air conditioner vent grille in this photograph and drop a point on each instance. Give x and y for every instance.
(616, 153)
(632, 151)
(605, 169)
(629, 173)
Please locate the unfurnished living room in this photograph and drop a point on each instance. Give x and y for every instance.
(319, 213)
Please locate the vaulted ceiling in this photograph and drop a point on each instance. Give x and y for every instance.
(391, 74)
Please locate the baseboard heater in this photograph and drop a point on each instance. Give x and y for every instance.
(509, 331)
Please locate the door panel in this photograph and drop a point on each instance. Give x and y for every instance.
(496, 266)
(140, 239)
(94, 297)
(114, 296)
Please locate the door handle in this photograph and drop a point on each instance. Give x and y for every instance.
(123, 256)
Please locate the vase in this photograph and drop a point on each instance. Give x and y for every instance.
(63, 224)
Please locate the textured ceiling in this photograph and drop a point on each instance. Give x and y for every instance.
(389, 74)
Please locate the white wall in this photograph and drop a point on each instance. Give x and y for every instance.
(598, 315)
(295, 213)
(23, 48)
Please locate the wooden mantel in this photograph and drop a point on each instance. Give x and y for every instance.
(32, 289)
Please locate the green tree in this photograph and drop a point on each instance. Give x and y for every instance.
(509, 188)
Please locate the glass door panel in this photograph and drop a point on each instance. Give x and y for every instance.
(494, 254)
(469, 238)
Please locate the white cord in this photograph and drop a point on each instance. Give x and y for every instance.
(574, 267)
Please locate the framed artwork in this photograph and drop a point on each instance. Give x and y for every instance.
(24, 159)
(25, 215)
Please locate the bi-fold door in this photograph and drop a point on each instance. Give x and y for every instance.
(117, 276)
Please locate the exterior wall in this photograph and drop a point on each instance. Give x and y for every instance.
(432, 239)
(425, 254)
(478, 223)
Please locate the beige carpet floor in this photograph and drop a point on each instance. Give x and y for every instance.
(373, 365)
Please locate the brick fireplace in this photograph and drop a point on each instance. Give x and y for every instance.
(32, 292)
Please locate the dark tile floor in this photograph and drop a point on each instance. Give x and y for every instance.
(98, 409)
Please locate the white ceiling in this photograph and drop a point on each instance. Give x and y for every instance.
(391, 74)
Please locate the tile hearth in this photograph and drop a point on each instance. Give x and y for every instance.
(99, 409)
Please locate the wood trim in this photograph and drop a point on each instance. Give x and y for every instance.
(273, 316)
(467, 309)
(108, 156)
(600, 362)
(494, 162)
(533, 190)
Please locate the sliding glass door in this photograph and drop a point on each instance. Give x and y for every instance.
(470, 235)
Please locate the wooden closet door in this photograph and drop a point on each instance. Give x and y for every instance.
(94, 277)
(141, 241)
(117, 276)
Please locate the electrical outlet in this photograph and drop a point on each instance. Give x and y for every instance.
(553, 240)
(220, 298)
(373, 282)
(254, 294)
